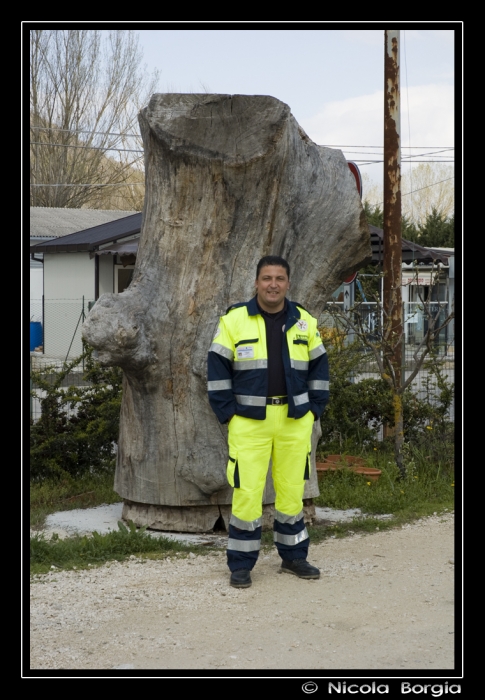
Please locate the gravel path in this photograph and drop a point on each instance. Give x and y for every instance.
(384, 601)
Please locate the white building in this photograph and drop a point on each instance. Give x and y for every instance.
(68, 273)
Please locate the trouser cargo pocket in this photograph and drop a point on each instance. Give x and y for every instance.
(232, 472)
(306, 475)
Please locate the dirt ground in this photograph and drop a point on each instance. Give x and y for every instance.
(383, 601)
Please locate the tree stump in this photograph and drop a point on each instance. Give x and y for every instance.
(229, 178)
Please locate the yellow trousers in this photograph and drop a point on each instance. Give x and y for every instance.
(287, 441)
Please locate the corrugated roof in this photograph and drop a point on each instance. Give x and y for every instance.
(54, 222)
(123, 248)
(89, 239)
(122, 224)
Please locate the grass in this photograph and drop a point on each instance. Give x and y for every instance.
(427, 489)
(428, 486)
(68, 493)
(81, 552)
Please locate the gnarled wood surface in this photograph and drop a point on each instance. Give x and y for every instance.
(228, 180)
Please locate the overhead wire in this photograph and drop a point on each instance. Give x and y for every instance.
(360, 161)
(113, 133)
(95, 148)
(133, 184)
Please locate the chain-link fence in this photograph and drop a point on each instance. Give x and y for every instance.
(56, 325)
(55, 340)
(50, 368)
(416, 319)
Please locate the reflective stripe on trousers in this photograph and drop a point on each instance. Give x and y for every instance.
(286, 441)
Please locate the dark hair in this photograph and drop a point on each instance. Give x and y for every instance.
(272, 260)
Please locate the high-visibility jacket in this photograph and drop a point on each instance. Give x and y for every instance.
(238, 364)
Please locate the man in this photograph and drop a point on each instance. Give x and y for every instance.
(268, 379)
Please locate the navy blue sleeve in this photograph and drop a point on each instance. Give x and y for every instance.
(219, 375)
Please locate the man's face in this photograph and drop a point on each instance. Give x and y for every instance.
(271, 287)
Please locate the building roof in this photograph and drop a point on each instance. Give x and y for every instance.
(118, 225)
(54, 222)
(410, 251)
(89, 239)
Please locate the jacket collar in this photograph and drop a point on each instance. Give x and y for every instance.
(291, 319)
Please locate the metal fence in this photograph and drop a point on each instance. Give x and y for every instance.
(57, 323)
(60, 322)
(55, 339)
(49, 368)
(415, 319)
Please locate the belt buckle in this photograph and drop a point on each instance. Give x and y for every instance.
(276, 401)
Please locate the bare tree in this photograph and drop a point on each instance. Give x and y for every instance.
(85, 94)
(385, 346)
(428, 186)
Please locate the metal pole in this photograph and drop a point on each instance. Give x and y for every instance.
(349, 301)
(451, 299)
(392, 298)
(43, 324)
(31, 387)
(96, 277)
(82, 344)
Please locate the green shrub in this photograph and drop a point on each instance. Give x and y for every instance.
(356, 411)
(78, 428)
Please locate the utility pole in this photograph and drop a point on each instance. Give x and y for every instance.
(392, 269)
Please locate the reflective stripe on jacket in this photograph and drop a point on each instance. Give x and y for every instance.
(238, 364)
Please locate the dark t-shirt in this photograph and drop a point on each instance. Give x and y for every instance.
(275, 324)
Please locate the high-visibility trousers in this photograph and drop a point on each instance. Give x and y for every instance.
(287, 441)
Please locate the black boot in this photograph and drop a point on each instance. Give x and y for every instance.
(241, 578)
(301, 568)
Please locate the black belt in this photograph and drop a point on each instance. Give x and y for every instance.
(276, 400)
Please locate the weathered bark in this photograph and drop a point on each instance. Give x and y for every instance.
(228, 180)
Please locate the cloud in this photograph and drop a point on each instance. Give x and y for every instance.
(427, 120)
(366, 37)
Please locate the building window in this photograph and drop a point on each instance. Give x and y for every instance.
(123, 277)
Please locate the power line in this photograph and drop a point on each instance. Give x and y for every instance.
(426, 186)
(113, 133)
(327, 145)
(106, 149)
(95, 148)
(110, 184)
(133, 184)
(361, 161)
(86, 131)
(444, 150)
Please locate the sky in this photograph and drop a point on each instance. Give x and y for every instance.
(332, 80)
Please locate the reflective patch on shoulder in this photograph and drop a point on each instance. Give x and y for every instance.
(302, 324)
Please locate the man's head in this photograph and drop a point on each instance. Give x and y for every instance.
(272, 282)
